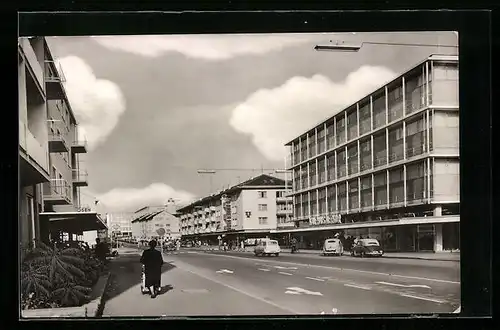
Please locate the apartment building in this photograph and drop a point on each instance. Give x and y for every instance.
(247, 210)
(148, 220)
(50, 174)
(386, 167)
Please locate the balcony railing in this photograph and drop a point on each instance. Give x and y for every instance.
(57, 142)
(33, 148)
(58, 192)
(415, 99)
(80, 177)
(33, 62)
(79, 145)
(54, 78)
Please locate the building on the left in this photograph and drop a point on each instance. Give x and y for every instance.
(50, 171)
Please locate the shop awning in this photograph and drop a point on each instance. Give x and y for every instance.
(74, 222)
(374, 224)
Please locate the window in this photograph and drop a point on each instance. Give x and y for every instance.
(379, 113)
(414, 93)
(396, 185)
(380, 187)
(262, 207)
(321, 140)
(321, 170)
(330, 163)
(330, 140)
(415, 182)
(314, 202)
(340, 130)
(366, 191)
(415, 138)
(262, 194)
(379, 150)
(364, 118)
(352, 154)
(312, 174)
(395, 99)
(312, 144)
(352, 124)
(341, 159)
(322, 201)
(332, 199)
(353, 194)
(342, 193)
(365, 154)
(396, 144)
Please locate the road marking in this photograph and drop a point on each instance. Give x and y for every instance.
(315, 279)
(292, 292)
(283, 273)
(281, 267)
(423, 298)
(358, 286)
(457, 311)
(264, 269)
(300, 290)
(335, 311)
(405, 286)
(224, 271)
(341, 269)
(240, 291)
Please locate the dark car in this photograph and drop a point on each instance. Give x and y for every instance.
(367, 247)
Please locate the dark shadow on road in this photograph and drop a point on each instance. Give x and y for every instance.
(126, 271)
(165, 289)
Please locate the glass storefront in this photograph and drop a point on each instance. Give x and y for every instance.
(451, 236)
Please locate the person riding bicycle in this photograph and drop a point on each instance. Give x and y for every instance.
(293, 244)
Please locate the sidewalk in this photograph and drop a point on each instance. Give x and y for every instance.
(440, 256)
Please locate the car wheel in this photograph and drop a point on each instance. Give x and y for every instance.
(276, 254)
(352, 253)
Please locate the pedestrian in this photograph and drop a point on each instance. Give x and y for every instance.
(242, 245)
(100, 250)
(152, 261)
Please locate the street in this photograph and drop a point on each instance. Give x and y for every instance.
(217, 284)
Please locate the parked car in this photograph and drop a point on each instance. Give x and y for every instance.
(333, 246)
(367, 247)
(267, 248)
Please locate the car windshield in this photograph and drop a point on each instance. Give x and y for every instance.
(272, 243)
(371, 242)
(332, 241)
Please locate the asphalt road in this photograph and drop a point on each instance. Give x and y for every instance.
(208, 284)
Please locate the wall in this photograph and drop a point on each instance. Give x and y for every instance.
(444, 87)
(445, 132)
(446, 180)
(251, 201)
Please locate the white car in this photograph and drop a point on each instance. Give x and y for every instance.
(333, 246)
(267, 248)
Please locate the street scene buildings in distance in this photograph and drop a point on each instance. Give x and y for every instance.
(250, 182)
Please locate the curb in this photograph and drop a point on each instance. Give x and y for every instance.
(384, 256)
(99, 302)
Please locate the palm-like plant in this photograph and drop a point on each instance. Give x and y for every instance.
(61, 263)
(34, 280)
(70, 294)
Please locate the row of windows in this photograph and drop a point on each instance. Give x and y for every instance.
(347, 161)
(416, 94)
(279, 194)
(366, 192)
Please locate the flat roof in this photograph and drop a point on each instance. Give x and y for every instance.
(433, 57)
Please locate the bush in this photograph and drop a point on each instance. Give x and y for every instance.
(57, 276)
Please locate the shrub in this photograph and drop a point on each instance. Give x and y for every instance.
(57, 276)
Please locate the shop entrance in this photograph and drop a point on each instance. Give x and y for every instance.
(425, 238)
(406, 236)
(451, 236)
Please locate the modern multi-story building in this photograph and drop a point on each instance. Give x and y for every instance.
(247, 210)
(148, 220)
(120, 224)
(50, 171)
(386, 167)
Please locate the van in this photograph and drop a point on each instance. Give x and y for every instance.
(267, 247)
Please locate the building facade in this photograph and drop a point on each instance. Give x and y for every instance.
(250, 209)
(120, 224)
(148, 220)
(50, 171)
(386, 167)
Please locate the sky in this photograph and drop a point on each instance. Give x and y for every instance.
(157, 108)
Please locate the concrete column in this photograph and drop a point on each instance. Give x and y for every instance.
(438, 210)
(438, 237)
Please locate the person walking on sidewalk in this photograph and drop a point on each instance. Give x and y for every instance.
(152, 261)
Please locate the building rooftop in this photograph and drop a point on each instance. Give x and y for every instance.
(434, 57)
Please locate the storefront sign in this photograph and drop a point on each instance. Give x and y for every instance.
(325, 220)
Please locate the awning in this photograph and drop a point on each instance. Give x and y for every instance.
(74, 222)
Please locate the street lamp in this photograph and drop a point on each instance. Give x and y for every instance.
(341, 46)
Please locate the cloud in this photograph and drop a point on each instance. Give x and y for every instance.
(272, 117)
(97, 103)
(208, 47)
(131, 199)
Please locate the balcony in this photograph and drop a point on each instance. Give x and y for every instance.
(284, 199)
(32, 61)
(283, 212)
(80, 178)
(57, 192)
(34, 158)
(79, 146)
(57, 143)
(54, 78)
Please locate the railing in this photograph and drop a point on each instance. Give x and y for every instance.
(56, 136)
(79, 175)
(33, 62)
(415, 99)
(33, 147)
(415, 151)
(58, 187)
(396, 109)
(395, 156)
(54, 72)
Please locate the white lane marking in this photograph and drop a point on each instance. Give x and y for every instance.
(281, 267)
(358, 286)
(457, 311)
(334, 311)
(240, 291)
(300, 290)
(224, 271)
(341, 269)
(405, 286)
(264, 269)
(423, 298)
(292, 292)
(315, 279)
(283, 273)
